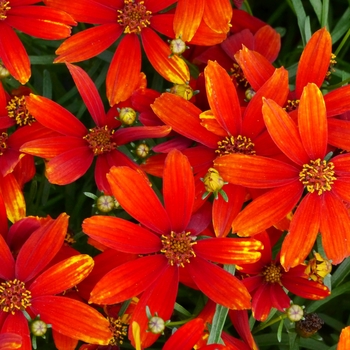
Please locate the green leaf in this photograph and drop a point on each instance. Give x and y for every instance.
(301, 17)
(317, 5)
(279, 331)
(341, 272)
(343, 24)
(180, 309)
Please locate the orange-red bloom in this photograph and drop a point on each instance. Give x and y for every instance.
(167, 241)
(72, 152)
(27, 286)
(325, 181)
(40, 21)
(115, 18)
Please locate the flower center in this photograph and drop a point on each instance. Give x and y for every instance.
(291, 105)
(235, 144)
(177, 247)
(272, 274)
(134, 16)
(3, 144)
(318, 176)
(17, 109)
(332, 63)
(14, 296)
(4, 7)
(100, 140)
(238, 75)
(119, 330)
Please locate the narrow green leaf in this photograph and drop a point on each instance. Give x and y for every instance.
(279, 331)
(47, 84)
(343, 24)
(325, 11)
(341, 272)
(301, 17)
(180, 309)
(317, 5)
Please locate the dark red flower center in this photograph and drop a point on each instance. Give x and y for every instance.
(17, 109)
(100, 140)
(238, 75)
(317, 176)
(291, 105)
(3, 142)
(272, 274)
(235, 144)
(177, 247)
(4, 7)
(119, 330)
(14, 296)
(134, 16)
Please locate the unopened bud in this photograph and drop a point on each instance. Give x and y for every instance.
(183, 90)
(127, 116)
(177, 46)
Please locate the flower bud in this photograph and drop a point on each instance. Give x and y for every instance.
(295, 313)
(213, 182)
(156, 325)
(177, 46)
(183, 90)
(105, 204)
(127, 116)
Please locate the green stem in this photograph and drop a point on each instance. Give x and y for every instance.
(179, 323)
(342, 43)
(264, 325)
(248, 8)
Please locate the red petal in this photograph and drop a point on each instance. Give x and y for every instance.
(34, 254)
(183, 117)
(69, 166)
(267, 42)
(64, 342)
(188, 16)
(41, 21)
(339, 133)
(18, 324)
(262, 302)
(224, 212)
(88, 43)
(219, 285)
(121, 235)
(62, 276)
(229, 250)
(73, 318)
(222, 98)
(275, 88)
(335, 228)
(268, 209)
(59, 119)
(314, 61)
(255, 171)
(158, 5)
(284, 132)
(304, 227)
(187, 336)
(89, 94)
(172, 68)
(178, 190)
(311, 112)
(160, 298)
(10, 341)
(337, 101)
(128, 280)
(122, 79)
(13, 54)
(7, 262)
(217, 15)
(137, 198)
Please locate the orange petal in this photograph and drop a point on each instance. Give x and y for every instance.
(73, 318)
(122, 79)
(178, 190)
(302, 232)
(209, 121)
(284, 132)
(344, 340)
(137, 198)
(63, 341)
(188, 16)
(173, 69)
(223, 98)
(219, 285)
(255, 171)
(339, 133)
(13, 54)
(128, 280)
(18, 324)
(10, 341)
(217, 15)
(62, 276)
(267, 42)
(335, 228)
(314, 61)
(205, 36)
(13, 198)
(311, 112)
(267, 210)
(7, 262)
(337, 101)
(229, 250)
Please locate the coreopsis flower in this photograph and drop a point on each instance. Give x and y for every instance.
(72, 152)
(267, 279)
(167, 241)
(134, 18)
(325, 181)
(39, 21)
(222, 130)
(29, 285)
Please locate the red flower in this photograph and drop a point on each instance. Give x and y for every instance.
(167, 241)
(325, 181)
(114, 19)
(40, 21)
(72, 152)
(267, 279)
(27, 286)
